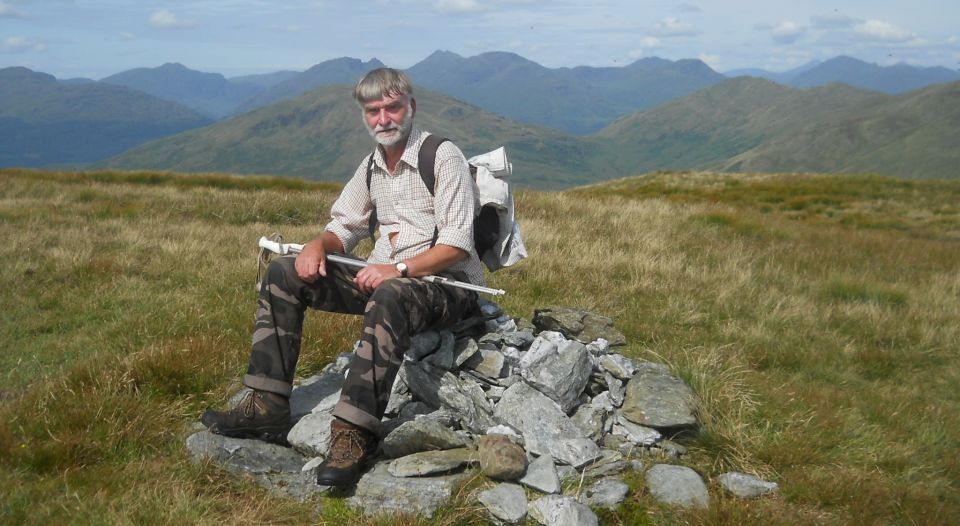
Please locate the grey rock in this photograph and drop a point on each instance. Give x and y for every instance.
(400, 394)
(598, 347)
(311, 435)
(606, 493)
(494, 392)
(422, 434)
(466, 400)
(603, 400)
(557, 510)
(273, 467)
(315, 394)
(415, 409)
(380, 492)
(590, 419)
(444, 357)
(659, 400)
(653, 367)
(464, 350)
(423, 344)
(542, 475)
(616, 389)
(561, 375)
(579, 324)
(566, 472)
(490, 309)
(545, 428)
(639, 435)
(671, 449)
(677, 485)
(746, 486)
(430, 462)
(506, 502)
(341, 363)
(423, 380)
(544, 345)
(618, 365)
(506, 431)
(519, 339)
(501, 458)
(610, 463)
(490, 364)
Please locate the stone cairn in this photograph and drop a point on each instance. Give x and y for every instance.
(529, 404)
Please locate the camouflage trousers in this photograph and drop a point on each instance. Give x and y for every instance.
(395, 311)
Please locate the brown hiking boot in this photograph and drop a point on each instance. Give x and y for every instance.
(260, 414)
(350, 449)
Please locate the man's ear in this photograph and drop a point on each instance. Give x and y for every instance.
(413, 107)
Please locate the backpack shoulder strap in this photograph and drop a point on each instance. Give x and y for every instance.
(372, 224)
(427, 160)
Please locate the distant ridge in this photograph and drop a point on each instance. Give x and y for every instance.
(44, 122)
(337, 71)
(209, 93)
(579, 100)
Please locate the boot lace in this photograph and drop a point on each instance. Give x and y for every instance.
(347, 445)
(247, 406)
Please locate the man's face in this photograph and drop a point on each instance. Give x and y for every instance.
(390, 119)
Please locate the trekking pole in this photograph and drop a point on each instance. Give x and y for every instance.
(292, 248)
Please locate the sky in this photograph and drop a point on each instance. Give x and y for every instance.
(97, 38)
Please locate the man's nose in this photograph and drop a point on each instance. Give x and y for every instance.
(383, 117)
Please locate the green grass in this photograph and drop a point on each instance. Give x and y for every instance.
(815, 317)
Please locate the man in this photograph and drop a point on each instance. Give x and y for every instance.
(394, 304)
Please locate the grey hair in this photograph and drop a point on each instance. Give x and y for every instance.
(382, 82)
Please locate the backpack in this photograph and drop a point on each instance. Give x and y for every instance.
(496, 234)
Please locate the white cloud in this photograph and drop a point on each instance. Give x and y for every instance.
(166, 19)
(18, 44)
(952, 40)
(126, 35)
(457, 6)
(787, 32)
(650, 42)
(673, 27)
(711, 60)
(882, 31)
(8, 11)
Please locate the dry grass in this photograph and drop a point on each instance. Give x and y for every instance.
(814, 317)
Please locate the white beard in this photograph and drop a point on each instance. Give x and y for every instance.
(393, 134)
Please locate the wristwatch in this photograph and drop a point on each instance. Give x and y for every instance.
(402, 269)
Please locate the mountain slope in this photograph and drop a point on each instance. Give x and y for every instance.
(579, 100)
(44, 122)
(209, 93)
(913, 135)
(721, 122)
(320, 135)
(337, 71)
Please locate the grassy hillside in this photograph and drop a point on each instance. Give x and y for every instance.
(815, 317)
(320, 136)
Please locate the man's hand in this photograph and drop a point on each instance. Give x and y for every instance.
(311, 264)
(372, 276)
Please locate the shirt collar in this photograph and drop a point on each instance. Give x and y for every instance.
(410, 152)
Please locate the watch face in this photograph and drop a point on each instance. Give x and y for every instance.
(402, 269)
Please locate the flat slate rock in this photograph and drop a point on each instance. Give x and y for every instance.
(542, 475)
(311, 435)
(558, 510)
(421, 434)
(578, 324)
(431, 462)
(606, 493)
(506, 502)
(663, 401)
(379, 492)
(272, 466)
(746, 486)
(313, 392)
(677, 485)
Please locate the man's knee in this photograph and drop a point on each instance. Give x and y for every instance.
(280, 270)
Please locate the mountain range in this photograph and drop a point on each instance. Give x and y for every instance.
(741, 124)
(648, 115)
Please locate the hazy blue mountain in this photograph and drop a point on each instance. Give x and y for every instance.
(209, 93)
(580, 100)
(898, 78)
(337, 71)
(77, 80)
(781, 77)
(265, 80)
(45, 122)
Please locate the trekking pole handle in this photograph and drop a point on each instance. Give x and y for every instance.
(293, 248)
